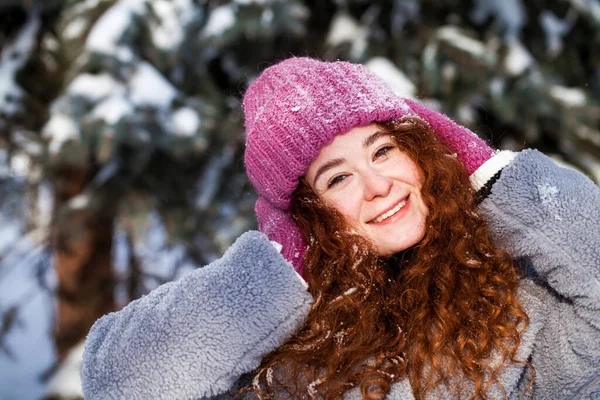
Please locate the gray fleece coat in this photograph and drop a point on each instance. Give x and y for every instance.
(194, 338)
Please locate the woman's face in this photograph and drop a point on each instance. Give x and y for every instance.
(364, 175)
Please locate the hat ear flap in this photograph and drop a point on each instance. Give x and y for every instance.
(279, 227)
(472, 151)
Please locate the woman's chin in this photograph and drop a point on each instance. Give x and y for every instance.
(389, 242)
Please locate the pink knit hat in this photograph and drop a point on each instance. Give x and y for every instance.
(296, 107)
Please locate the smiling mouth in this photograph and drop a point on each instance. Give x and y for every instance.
(389, 213)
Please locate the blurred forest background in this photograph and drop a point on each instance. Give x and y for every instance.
(121, 132)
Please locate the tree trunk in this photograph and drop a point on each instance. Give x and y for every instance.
(82, 242)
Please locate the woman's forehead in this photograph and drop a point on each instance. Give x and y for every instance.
(355, 139)
(344, 146)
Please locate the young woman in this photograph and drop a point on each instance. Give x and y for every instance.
(400, 257)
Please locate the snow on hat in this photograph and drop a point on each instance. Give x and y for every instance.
(295, 108)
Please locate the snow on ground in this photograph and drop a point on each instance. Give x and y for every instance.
(11, 230)
(66, 381)
(29, 340)
(12, 59)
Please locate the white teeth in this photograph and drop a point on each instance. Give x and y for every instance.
(388, 214)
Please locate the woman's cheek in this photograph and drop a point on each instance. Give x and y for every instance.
(347, 206)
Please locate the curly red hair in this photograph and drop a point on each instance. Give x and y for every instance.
(439, 313)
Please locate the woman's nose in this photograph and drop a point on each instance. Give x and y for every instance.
(376, 185)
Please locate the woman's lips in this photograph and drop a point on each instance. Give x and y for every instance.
(392, 214)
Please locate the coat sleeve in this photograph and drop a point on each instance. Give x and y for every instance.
(550, 216)
(193, 338)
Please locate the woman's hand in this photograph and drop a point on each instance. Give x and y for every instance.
(193, 338)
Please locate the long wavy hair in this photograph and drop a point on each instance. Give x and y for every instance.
(443, 312)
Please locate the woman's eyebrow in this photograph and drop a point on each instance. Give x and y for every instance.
(326, 167)
(373, 138)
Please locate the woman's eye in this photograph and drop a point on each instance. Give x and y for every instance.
(335, 180)
(383, 151)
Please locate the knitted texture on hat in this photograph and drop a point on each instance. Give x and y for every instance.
(296, 107)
